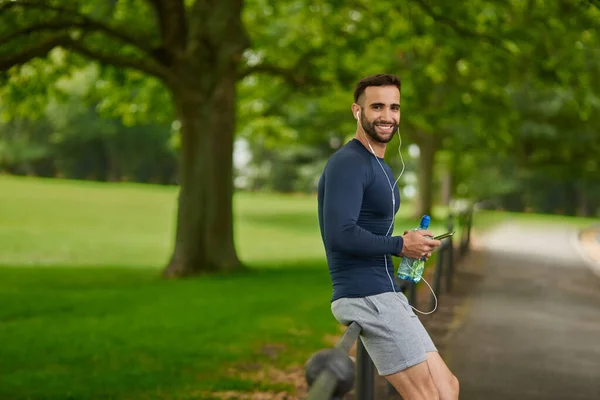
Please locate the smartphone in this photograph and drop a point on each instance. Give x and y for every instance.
(444, 235)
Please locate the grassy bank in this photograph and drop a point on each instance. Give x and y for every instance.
(85, 314)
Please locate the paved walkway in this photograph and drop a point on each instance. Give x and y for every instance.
(532, 329)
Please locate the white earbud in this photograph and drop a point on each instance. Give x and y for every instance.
(358, 115)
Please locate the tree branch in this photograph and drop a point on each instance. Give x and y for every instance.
(208, 9)
(118, 61)
(39, 50)
(173, 23)
(79, 21)
(458, 28)
(290, 75)
(44, 47)
(58, 24)
(293, 75)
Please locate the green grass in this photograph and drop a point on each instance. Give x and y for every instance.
(65, 223)
(123, 333)
(85, 314)
(79, 223)
(484, 220)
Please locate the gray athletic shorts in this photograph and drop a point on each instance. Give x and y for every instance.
(391, 332)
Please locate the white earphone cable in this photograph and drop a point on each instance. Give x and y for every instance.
(392, 187)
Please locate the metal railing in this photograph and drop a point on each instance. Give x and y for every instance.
(330, 373)
(465, 221)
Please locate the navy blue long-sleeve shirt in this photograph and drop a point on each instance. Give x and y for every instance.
(355, 212)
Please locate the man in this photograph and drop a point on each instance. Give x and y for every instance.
(358, 199)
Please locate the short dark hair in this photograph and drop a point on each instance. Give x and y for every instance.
(375, 80)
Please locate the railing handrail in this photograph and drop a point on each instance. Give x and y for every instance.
(332, 369)
(350, 336)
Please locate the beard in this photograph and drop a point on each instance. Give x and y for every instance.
(369, 129)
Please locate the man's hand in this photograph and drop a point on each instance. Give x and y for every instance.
(417, 245)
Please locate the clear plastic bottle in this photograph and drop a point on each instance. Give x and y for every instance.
(411, 269)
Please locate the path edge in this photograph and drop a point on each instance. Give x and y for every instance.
(577, 244)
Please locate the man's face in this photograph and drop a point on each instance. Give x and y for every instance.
(380, 112)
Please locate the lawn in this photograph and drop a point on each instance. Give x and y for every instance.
(85, 314)
(484, 220)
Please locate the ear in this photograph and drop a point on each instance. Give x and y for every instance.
(356, 111)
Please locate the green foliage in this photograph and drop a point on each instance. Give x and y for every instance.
(69, 137)
(507, 90)
(106, 31)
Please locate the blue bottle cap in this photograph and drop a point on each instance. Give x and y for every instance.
(425, 221)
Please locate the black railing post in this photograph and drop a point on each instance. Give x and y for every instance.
(450, 266)
(469, 224)
(365, 379)
(437, 279)
(412, 293)
(450, 256)
(465, 221)
(463, 225)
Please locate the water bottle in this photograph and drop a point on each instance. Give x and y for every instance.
(411, 269)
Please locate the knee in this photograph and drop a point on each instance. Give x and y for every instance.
(453, 387)
(418, 389)
(449, 389)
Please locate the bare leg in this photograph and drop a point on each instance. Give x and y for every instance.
(415, 383)
(445, 381)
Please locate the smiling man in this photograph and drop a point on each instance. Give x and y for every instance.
(358, 200)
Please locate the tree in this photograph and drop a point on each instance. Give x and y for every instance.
(531, 101)
(199, 53)
(195, 51)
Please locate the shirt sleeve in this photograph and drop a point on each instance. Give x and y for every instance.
(345, 182)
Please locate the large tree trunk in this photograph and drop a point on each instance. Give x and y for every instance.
(427, 152)
(204, 94)
(204, 238)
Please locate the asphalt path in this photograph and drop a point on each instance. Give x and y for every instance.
(532, 330)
